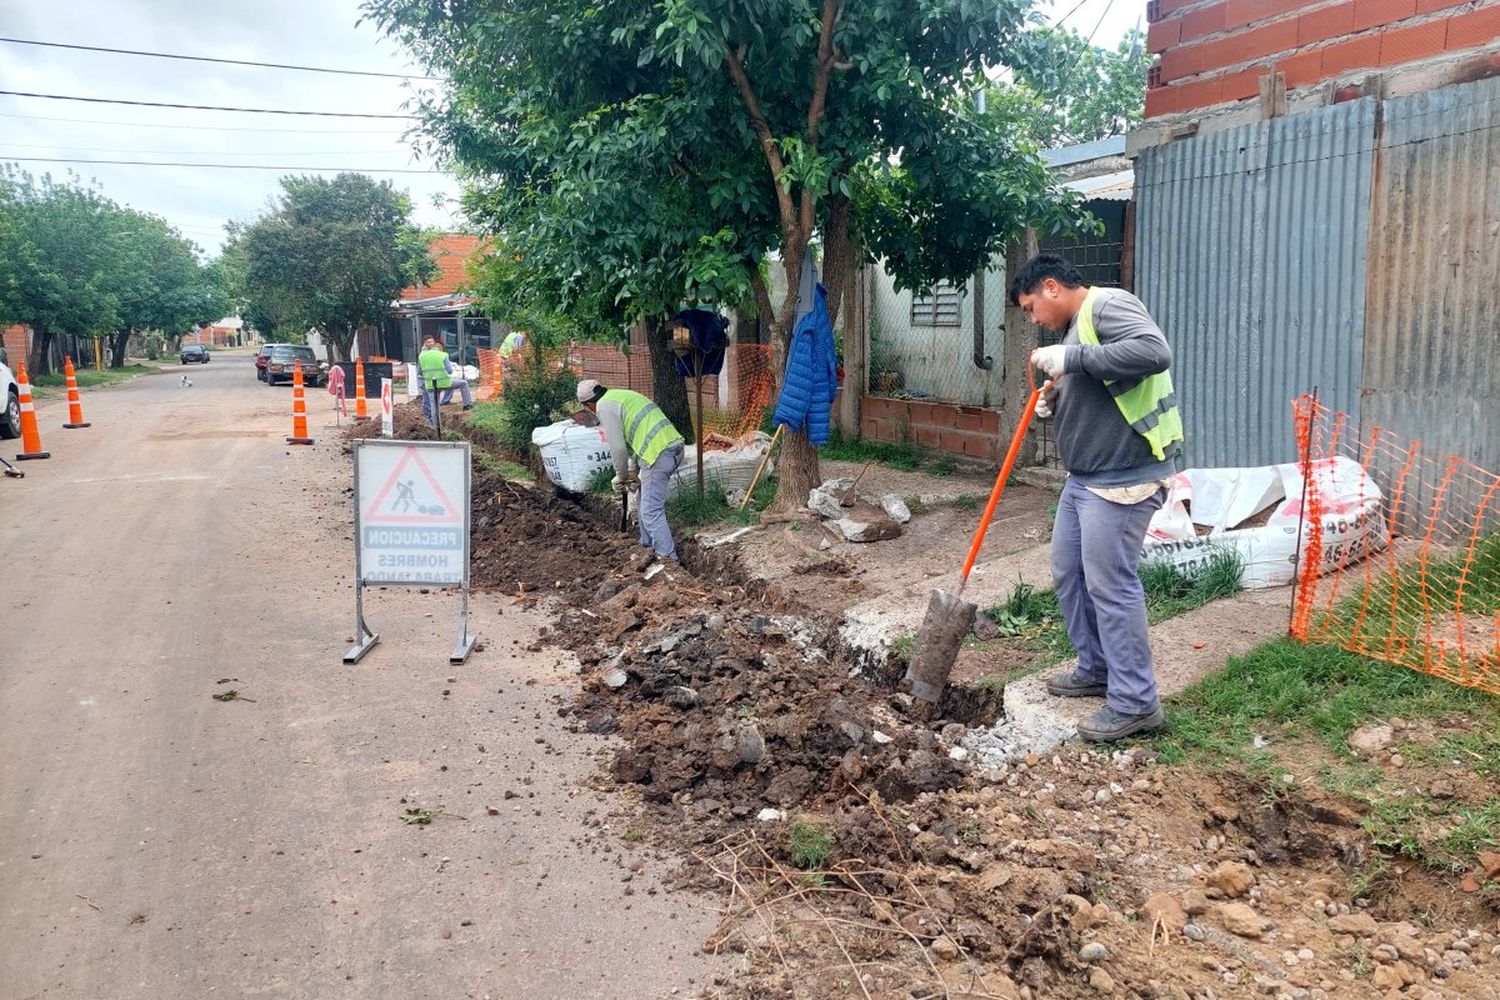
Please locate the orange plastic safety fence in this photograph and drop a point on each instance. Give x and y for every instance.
(1405, 563)
(734, 401)
(491, 374)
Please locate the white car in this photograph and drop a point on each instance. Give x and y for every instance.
(10, 418)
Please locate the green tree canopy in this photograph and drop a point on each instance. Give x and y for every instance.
(74, 262)
(1066, 90)
(332, 254)
(643, 155)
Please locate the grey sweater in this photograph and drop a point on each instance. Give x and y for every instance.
(1096, 445)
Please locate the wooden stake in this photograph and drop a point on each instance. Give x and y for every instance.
(750, 492)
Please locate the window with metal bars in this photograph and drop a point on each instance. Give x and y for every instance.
(938, 307)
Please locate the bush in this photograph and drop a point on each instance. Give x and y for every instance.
(536, 394)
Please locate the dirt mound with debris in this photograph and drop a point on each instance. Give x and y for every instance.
(532, 541)
(408, 423)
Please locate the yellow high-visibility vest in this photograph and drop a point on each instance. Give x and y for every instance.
(1148, 405)
(648, 432)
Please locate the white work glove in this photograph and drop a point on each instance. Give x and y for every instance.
(1043, 408)
(1050, 360)
(617, 482)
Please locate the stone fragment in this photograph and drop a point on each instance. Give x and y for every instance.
(1165, 909)
(1371, 738)
(1232, 878)
(1241, 919)
(1357, 923)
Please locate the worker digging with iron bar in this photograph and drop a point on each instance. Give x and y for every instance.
(1117, 427)
(639, 433)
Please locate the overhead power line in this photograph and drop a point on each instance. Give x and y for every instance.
(222, 166)
(91, 150)
(204, 107)
(212, 59)
(207, 128)
(1100, 23)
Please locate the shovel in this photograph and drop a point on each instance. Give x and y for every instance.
(624, 506)
(11, 471)
(949, 617)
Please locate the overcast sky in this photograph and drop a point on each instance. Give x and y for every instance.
(198, 200)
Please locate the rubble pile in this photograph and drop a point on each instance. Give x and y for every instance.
(857, 518)
(731, 709)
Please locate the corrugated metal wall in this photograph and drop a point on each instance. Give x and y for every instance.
(1252, 257)
(1432, 340)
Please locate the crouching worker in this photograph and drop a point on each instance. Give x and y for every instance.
(639, 433)
(439, 379)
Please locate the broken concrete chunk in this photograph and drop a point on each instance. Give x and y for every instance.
(874, 530)
(830, 499)
(895, 508)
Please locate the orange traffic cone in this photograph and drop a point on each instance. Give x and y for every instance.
(359, 390)
(75, 408)
(31, 438)
(299, 409)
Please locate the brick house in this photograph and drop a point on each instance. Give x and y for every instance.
(1217, 55)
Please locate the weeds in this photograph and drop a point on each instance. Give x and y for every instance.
(904, 457)
(812, 846)
(1035, 616)
(943, 466)
(600, 480)
(421, 816)
(494, 462)
(967, 502)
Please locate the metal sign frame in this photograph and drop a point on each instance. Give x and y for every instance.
(365, 639)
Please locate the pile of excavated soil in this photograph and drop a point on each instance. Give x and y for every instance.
(408, 423)
(527, 540)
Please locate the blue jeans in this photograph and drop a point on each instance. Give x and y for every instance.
(1095, 547)
(428, 405)
(655, 478)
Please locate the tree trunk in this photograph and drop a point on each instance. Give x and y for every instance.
(40, 362)
(797, 470)
(118, 341)
(668, 389)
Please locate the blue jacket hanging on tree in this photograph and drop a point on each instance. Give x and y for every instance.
(811, 374)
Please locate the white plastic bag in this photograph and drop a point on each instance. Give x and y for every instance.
(571, 453)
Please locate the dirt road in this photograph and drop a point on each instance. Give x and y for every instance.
(157, 843)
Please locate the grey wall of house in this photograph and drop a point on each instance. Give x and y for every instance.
(1432, 340)
(1251, 255)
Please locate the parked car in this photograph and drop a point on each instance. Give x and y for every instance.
(262, 356)
(283, 360)
(194, 354)
(10, 419)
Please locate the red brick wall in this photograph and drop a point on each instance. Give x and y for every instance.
(451, 253)
(16, 342)
(1216, 51)
(971, 431)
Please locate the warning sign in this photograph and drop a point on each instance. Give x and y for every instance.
(411, 515)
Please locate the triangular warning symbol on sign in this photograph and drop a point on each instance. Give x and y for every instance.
(398, 501)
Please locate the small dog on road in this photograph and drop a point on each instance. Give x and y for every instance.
(186, 383)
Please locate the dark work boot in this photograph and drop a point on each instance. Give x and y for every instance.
(1071, 685)
(1107, 725)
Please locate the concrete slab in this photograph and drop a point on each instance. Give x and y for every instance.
(1186, 649)
(873, 627)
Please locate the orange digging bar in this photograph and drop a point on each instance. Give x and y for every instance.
(31, 438)
(75, 407)
(360, 413)
(299, 409)
(1000, 480)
